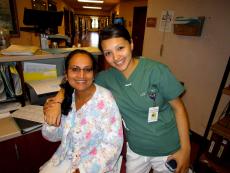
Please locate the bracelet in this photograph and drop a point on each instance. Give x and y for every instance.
(58, 102)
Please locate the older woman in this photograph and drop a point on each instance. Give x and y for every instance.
(91, 130)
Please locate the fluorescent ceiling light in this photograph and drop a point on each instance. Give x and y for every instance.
(91, 1)
(90, 7)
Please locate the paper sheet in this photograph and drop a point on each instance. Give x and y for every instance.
(9, 106)
(46, 86)
(30, 112)
(4, 115)
(39, 71)
(19, 50)
(166, 21)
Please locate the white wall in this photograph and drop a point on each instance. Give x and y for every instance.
(197, 61)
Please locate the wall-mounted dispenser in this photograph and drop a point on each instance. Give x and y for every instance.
(188, 26)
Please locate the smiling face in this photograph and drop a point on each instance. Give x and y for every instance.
(80, 73)
(118, 53)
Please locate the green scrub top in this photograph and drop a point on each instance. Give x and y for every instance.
(132, 95)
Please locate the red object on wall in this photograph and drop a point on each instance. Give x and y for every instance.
(151, 22)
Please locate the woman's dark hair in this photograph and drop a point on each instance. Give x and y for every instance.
(66, 104)
(114, 31)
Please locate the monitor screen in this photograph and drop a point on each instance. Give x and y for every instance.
(43, 19)
(119, 20)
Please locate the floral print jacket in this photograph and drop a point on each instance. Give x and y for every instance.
(91, 137)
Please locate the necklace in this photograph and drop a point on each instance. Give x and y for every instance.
(80, 101)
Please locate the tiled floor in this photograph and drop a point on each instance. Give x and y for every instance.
(90, 39)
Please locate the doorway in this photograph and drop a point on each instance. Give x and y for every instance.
(138, 30)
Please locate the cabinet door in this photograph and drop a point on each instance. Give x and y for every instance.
(25, 154)
(35, 151)
(9, 156)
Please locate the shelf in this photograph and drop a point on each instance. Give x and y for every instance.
(12, 99)
(222, 127)
(226, 91)
(219, 167)
(8, 100)
(9, 106)
(41, 54)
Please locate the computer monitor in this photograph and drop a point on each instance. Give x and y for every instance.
(119, 20)
(42, 19)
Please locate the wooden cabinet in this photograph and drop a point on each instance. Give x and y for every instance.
(9, 156)
(25, 154)
(215, 157)
(217, 154)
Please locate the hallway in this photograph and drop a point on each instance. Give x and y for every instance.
(90, 39)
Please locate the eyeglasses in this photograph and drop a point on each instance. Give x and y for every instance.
(78, 69)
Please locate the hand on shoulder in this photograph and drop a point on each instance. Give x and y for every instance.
(52, 112)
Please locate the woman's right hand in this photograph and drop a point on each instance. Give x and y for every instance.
(52, 112)
(77, 171)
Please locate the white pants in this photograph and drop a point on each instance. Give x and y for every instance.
(64, 167)
(136, 163)
(141, 164)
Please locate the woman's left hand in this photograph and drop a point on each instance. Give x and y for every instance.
(182, 157)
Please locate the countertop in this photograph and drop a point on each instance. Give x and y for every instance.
(8, 129)
(47, 54)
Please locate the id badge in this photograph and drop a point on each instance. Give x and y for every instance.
(153, 114)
